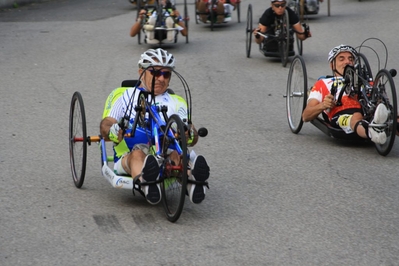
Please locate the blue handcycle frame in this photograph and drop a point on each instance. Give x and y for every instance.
(159, 131)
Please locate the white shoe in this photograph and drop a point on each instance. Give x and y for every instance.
(227, 19)
(377, 137)
(380, 114)
(149, 28)
(170, 34)
(150, 33)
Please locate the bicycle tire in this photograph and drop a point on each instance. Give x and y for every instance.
(77, 139)
(248, 31)
(186, 19)
(386, 87)
(138, 4)
(297, 95)
(174, 183)
(238, 11)
(364, 69)
(196, 11)
(299, 43)
(284, 39)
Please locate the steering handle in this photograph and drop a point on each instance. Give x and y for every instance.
(202, 132)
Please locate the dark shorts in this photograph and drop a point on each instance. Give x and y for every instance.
(351, 111)
(272, 45)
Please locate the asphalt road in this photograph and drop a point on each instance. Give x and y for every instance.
(275, 198)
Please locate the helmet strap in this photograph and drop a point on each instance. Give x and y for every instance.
(153, 88)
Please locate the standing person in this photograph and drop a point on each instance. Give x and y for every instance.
(172, 20)
(132, 156)
(348, 116)
(267, 21)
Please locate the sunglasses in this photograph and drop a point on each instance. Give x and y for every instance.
(158, 73)
(278, 6)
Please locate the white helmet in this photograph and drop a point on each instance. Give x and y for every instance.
(339, 49)
(156, 57)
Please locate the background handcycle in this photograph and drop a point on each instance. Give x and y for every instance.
(151, 125)
(160, 29)
(278, 44)
(359, 81)
(304, 7)
(212, 14)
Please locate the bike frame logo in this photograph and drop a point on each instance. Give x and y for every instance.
(120, 182)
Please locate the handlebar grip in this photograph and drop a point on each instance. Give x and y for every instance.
(124, 124)
(202, 132)
(306, 29)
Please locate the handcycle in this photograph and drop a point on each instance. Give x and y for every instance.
(278, 41)
(304, 7)
(359, 82)
(211, 12)
(160, 29)
(151, 125)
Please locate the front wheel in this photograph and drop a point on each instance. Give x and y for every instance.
(296, 93)
(174, 177)
(77, 139)
(248, 31)
(364, 69)
(387, 91)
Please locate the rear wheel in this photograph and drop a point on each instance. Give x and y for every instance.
(249, 30)
(387, 91)
(174, 184)
(196, 11)
(284, 39)
(77, 139)
(238, 11)
(299, 44)
(142, 22)
(186, 18)
(296, 93)
(296, 7)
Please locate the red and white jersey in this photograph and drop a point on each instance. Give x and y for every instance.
(323, 87)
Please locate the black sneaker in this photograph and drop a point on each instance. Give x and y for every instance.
(199, 172)
(150, 172)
